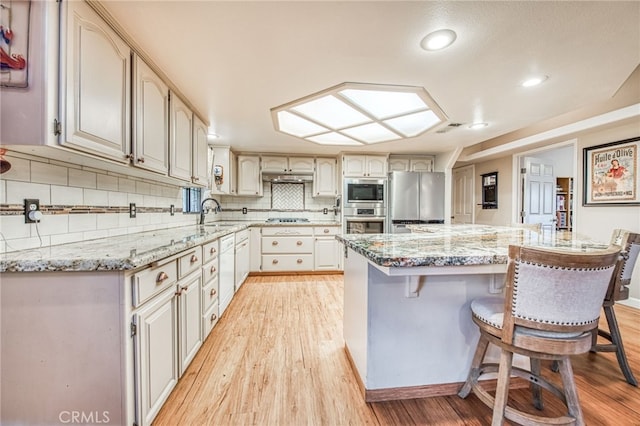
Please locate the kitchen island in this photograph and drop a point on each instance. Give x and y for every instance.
(407, 323)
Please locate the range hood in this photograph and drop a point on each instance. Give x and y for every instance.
(283, 178)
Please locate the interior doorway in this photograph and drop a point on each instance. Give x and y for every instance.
(556, 203)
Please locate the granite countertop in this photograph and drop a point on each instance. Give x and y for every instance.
(125, 252)
(458, 245)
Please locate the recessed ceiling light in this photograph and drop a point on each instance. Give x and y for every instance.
(476, 126)
(438, 40)
(534, 81)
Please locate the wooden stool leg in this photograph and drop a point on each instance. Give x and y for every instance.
(502, 389)
(616, 339)
(536, 390)
(570, 392)
(474, 370)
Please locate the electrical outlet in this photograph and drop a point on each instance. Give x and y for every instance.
(325, 211)
(244, 210)
(172, 210)
(32, 212)
(132, 210)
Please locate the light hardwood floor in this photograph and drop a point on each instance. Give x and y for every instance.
(276, 357)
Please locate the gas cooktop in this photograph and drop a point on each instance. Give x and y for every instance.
(287, 220)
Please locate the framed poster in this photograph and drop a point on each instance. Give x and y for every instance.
(14, 43)
(611, 173)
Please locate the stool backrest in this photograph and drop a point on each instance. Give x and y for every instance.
(556, 291)
(629, 243)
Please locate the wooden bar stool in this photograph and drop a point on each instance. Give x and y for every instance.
(550, 311)
(629, 243)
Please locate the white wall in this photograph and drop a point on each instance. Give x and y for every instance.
(599, 222)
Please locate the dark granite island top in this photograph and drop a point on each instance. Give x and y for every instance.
(457, 245)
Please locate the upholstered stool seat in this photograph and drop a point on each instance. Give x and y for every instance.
(550, 311)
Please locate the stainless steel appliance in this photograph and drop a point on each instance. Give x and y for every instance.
(364, 193)
(364, 206)
(415, 198)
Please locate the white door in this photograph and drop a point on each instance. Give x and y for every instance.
(463, 195)
(180, 142)
(325, 182)
(376, 166)
(539, 193)
(200, 160)
(249, 180)
(326, 254)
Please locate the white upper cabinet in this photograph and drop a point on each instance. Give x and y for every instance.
(275, 164)
(398, 164)
(412, 164)
(365, 165)
(223, 161)
(200, 153)
(151, 119)
(97, 81)
(249, 176)
(325, 178)
(180, 141)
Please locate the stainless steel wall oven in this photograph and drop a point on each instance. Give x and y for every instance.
(364, 208)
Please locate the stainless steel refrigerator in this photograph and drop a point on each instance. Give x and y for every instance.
(414, 198)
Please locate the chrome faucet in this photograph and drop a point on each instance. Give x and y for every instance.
(202, 211)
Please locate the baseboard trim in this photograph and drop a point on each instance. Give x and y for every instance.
(268, 274)
(631, 302)
(424, 391)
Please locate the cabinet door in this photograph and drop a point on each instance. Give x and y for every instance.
(249, 179)
(421, 165)
(180, 141)
(326, 254)
(243, 256)
(200, 153)
(190, 309)
(151, 120)
(275, 164)
(301, 164)
(156, 354)
(376, 166)
(398, 164)
(354, 165)
(233, 174)
(97, 86)
(325, 179)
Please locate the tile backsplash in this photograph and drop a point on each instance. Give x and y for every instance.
(82, 203)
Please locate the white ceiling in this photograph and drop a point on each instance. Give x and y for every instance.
(235, 60)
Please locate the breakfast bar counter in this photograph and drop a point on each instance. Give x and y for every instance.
(407, 323)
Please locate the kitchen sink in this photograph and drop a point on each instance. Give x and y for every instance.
(220, 225)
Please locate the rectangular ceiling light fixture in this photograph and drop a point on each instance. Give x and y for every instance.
(359, 114)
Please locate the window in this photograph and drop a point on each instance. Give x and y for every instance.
(191, 198)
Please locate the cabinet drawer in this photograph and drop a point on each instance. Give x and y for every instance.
(210, 271)
(320, 231)
(287, 245)
(242, 235)
(209, 294)
(189, 262)
(287, 262)
(151, 281)
(209, 320)
(210, 250)
(287, 230)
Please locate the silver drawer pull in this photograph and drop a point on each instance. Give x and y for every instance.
(299, 261)
(326, 231)
(213, 317)
(161, 277)
(213, 292)
(194, 258)
(213, 269)
(274, 243)
(274, 261)
(299, 243)
(213, 250)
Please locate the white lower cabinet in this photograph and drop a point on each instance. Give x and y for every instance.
(210, 287)
(189, 319)
(326, 249)
(156, 354)
(242, 258)
(300, 248)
